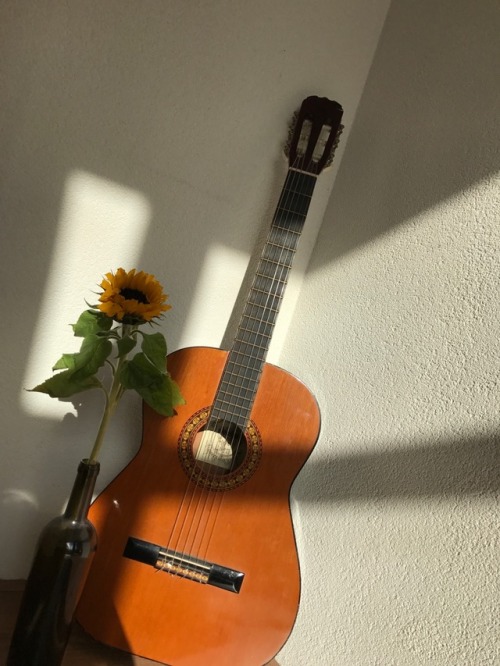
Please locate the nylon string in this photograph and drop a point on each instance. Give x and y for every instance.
(199, 508)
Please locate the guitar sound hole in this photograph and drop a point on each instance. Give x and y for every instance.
(216, 454)
(219, 448)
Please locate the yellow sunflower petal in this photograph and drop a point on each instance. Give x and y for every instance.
(132, 297)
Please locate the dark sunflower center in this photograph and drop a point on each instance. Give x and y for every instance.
(133, 294)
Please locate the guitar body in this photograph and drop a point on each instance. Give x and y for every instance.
(244, 525)
(196, 563)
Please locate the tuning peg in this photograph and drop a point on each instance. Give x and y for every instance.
(334, 146)
(291, 129)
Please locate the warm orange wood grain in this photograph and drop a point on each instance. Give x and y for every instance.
(134, 607)
(81, 649)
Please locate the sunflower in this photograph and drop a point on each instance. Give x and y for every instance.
(131, 297)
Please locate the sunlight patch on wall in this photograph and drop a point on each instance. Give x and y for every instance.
(217, 290)
(218, 285)
(102, 226)
(17, 497)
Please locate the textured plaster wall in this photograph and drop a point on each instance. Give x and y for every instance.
(396, 330)
(149, 134)
(143, 134)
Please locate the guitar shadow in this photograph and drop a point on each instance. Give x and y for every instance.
(435, 469)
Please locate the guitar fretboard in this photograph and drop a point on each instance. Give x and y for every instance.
(246, 358)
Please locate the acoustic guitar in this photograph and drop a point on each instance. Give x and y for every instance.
(196, 561)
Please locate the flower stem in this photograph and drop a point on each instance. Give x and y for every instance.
(112, 400)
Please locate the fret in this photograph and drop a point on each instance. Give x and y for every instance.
(271, 268)
(270, 245)
(272, 275)
(269, 287)
(241, 364)
(285, 217)
(270, 283)
(262, 312)
(295, 183)
(260, 293)
(239, 381)
(228, 400)
(252, 374)
(240, 419)
(234, 401)
(228, 389)
(253, 321)
(254, 331)
(284, 237)
(273, 263)
(264, 300)
(275, 252)
(290, 190)
(258, 311)
(226, 385)
(254, 325)
(231, 413)
(295, 201)
(254, 348)
(296, 232)
(257, 340)
(247, 360)
(298, 205)
(301, 182)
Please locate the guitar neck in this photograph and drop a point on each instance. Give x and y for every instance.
(246, 358)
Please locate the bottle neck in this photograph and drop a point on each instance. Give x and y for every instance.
(81, 493)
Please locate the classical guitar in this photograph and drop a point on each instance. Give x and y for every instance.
(196, 561)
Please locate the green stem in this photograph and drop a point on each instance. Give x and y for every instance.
(100, 433)
(112, 400)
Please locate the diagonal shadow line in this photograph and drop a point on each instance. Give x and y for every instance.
(421, 149)
(466, 468)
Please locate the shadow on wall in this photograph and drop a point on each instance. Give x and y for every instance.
(449, 469)
(84, 87)
(435, 139)
(83, 93)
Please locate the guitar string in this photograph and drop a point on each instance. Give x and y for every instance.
(280, 276)
(281, 269)
(185, 548)
(181, 548)
(287, 215)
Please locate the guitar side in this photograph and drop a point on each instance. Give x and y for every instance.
(248, 529)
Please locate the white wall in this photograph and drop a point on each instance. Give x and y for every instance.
(397, 332)
(143, 134)
(149, 134)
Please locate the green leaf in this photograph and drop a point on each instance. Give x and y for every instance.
(125, 345)
(155, 387)
(92, 355)
(139, 373)
(79, 369)
(67, 361)
(176, 395)
(65, 384)
(155, 348)
(160, 397)
(90, 322)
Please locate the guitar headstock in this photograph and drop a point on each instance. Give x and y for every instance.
(314, 135)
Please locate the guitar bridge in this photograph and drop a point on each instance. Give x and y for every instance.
(183, 565)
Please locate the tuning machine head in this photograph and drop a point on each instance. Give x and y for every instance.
(314, 134)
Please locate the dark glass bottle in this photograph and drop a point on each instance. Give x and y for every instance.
(62, 559)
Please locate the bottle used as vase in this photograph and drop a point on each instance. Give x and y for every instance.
(61, 563)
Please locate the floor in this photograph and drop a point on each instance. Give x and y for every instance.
(81, 651)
